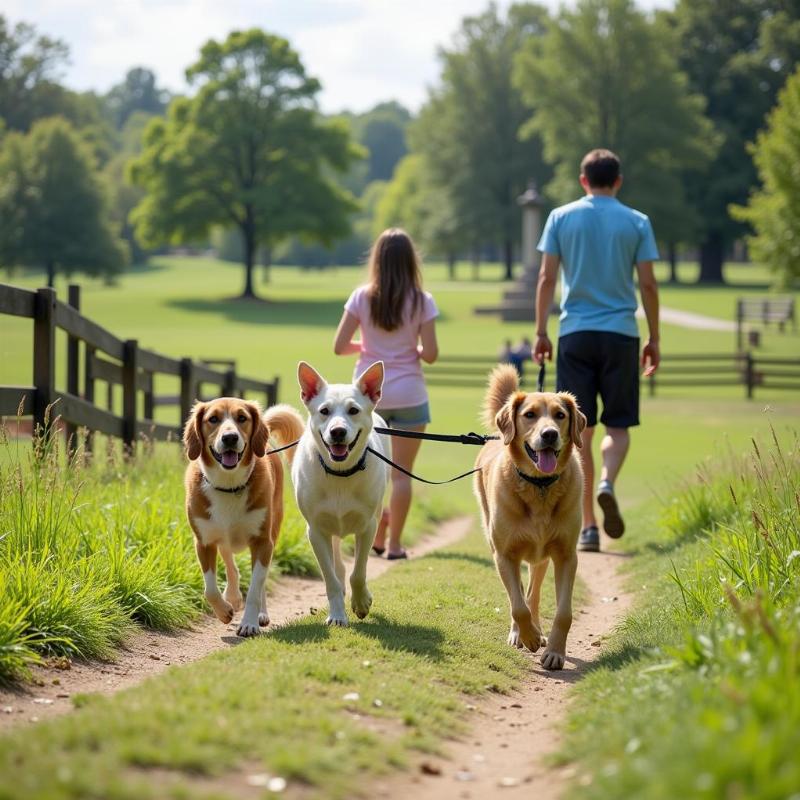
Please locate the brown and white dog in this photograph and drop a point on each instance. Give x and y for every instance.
(234, 499)
(529, 489)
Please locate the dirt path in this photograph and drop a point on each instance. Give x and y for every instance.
(149, 652)
(510, 736)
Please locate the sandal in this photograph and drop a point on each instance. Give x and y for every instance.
(379, 551)
(396, 556)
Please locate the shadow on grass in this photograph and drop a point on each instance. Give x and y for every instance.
(319, 313)
(483, 561)
(417, 639)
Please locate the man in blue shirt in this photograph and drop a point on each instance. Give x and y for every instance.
(598, 241)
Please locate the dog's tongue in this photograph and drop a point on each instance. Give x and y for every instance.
(338, 450)
(547, 460)
(230, 458)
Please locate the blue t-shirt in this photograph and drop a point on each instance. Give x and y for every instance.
(599, 241)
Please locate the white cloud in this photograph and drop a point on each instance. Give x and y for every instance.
(363, 51)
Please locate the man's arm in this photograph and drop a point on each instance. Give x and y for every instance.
(648, 288)
(545, 291)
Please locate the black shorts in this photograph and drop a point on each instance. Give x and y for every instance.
(600, 362)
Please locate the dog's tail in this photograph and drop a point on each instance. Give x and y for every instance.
(285, 426)
(503, 382)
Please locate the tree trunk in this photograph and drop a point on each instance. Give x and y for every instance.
(712, 257)
(248, 234)
(51, 273)
(672, 255)
(508, 257)
(451, 266)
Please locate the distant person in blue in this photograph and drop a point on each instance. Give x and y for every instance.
(598, 242)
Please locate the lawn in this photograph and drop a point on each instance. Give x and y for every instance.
(433, 637)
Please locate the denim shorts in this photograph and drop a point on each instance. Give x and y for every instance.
(409, 417)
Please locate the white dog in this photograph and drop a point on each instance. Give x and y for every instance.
(338, 485)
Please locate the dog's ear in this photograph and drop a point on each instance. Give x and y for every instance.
(193, 432)
(259, 438)
(506, 418)
(370, 381)
(577, 420)
(311, 382)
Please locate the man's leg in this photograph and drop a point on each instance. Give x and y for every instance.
(614, 448)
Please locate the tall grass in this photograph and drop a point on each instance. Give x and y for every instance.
(713, 709)
(89, 550)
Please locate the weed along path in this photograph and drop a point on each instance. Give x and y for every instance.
(504, 753)
(149, 652)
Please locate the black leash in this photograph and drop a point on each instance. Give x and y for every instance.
(416, 477)
(540, 381)
(461, 438)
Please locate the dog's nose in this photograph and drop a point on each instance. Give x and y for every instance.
(230, 439)
(338, 435)
(549, 435)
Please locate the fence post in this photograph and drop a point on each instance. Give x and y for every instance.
(651, 385)
(149, 400)
(188, 389)
(749, 374)
(73, 357)
(272, 392)
(44, 361)
(88, 391)
(229, 384)
(130, 371)
(739, 324)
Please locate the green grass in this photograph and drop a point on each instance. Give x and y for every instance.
(322, 707)
(698, 695)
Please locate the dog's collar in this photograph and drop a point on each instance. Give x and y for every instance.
(345, 473)
(234, 490)
(540, 483)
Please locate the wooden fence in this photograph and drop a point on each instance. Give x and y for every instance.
(115, 362)
(698, 370)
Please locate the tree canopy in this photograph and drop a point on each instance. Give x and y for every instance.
(139, 92)
(737, 54)
(468, 131)
(604, 75)
(774, 209)
(248, 150)
(52, 204)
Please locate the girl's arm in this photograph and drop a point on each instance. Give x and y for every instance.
(343, 344)
(429, 348)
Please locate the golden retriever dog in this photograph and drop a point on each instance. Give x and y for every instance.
(234, 499)
(529, 488)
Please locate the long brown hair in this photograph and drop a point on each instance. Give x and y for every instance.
(394, 276)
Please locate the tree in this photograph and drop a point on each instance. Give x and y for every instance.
(249, 150)
(774, 209)
(604, 76)
(468, 131)
(737, 54)
(55, 205)
(138, 92)
(411, 201)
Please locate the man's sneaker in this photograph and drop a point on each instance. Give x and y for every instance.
(613, 524)
(589, 541)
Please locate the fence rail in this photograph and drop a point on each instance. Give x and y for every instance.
(690, 370)
(96, 355)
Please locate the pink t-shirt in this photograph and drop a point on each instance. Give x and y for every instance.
(403, 383)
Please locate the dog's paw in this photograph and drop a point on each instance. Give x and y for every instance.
(223, 610)
(263, 619)
(513, 637)
(552, 660)
(337, 620)
(532, 639)
(361, 603)
(234, 597)
(247, 628)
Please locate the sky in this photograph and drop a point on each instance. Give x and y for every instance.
(363, 51)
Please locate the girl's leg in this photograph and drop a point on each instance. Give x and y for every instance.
(404, 451)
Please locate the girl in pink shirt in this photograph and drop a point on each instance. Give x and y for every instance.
(397, 321)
